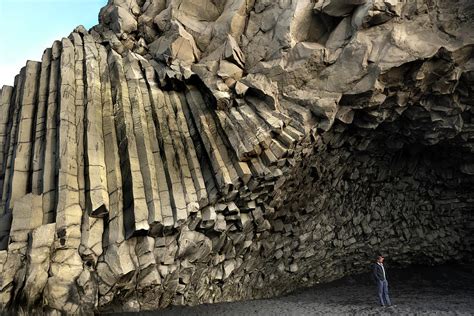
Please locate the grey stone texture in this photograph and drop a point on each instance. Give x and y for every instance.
(185, 152)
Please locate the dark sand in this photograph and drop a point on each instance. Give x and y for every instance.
(442, 290)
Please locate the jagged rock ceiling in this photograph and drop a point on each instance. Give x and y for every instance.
(184, 152)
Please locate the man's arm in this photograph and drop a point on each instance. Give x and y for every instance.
(376, 272)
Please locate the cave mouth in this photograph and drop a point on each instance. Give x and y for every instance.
(418, 193)
(357, 195)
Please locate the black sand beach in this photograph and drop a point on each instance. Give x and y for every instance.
(441, 290)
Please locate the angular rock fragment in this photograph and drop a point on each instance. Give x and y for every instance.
(42, 239)
(178, 44)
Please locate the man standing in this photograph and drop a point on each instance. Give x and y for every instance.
(382, 284)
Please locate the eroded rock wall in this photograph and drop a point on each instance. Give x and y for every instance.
(186, 152)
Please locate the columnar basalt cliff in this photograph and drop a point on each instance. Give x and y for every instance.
(186, 152)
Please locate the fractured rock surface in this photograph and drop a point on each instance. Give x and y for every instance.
(186, 152)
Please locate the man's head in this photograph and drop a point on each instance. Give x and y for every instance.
(380, 259)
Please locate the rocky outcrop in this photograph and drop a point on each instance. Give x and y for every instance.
(186, 152)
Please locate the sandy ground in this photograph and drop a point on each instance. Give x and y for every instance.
(442, 290)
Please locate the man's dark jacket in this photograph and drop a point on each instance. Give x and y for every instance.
(378, 272)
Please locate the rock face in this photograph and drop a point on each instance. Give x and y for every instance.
(186, 152)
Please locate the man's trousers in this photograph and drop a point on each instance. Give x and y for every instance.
(382, 287)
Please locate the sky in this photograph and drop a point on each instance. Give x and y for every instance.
(28, 27)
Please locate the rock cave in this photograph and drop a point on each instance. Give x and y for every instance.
(185, 152)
